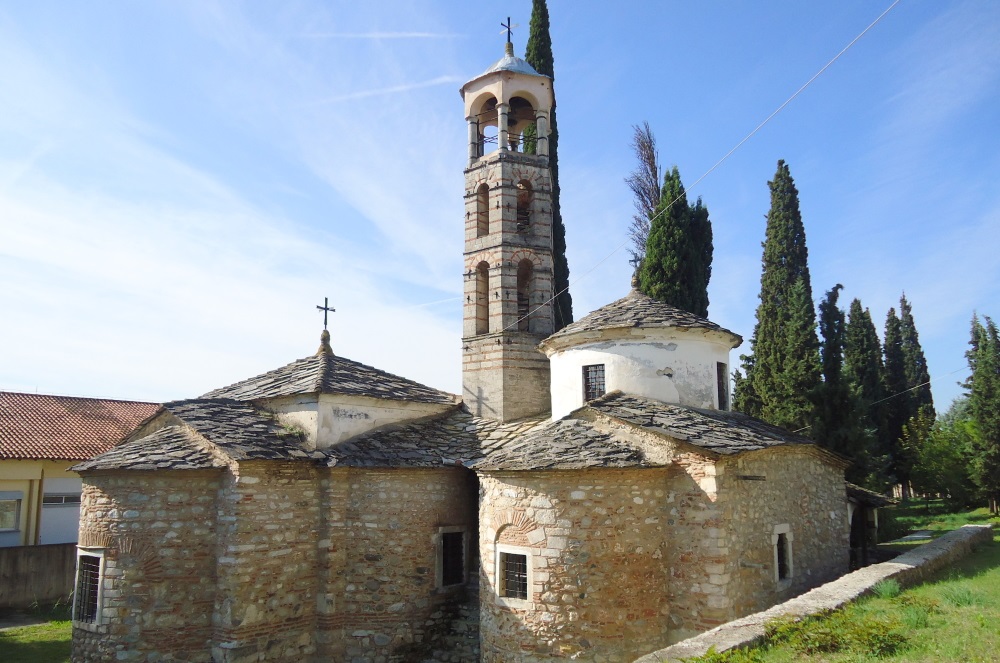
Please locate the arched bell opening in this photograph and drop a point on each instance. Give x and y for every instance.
(524, 198)
(525, 278)
(482, 210)
(521, 129)
(486, 120)
(482, 298)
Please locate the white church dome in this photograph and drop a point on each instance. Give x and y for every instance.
(640, 346)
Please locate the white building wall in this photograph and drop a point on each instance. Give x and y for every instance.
(672, 369)
(333, 418)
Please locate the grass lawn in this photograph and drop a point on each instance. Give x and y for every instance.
(48, 642)
(953, 616)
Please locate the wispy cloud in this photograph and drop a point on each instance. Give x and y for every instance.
(389, 90)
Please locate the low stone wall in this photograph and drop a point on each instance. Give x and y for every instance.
(908, 569)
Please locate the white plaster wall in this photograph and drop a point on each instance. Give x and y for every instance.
(333, 418)
(670, 368)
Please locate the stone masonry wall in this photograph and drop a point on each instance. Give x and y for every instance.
(265, 608)
(157, 533)
(765, 490)
(382, 600)
(598, 584)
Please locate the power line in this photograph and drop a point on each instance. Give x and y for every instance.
(720, 161)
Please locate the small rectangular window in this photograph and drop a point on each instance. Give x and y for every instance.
(88, 586)
(722, 379)
(51, 499)
(10, 514)
(514, 576)
(452, 558)
(782, 551)
(593, 381)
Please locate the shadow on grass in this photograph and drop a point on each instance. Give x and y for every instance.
(53, 651)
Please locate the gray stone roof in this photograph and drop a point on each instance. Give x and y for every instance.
(236, 430)
(717, 431)
(638, 310)
(567, 444)
(868, 497)
(242, 431)
(456, 438)
(326, 373)
(170, 448)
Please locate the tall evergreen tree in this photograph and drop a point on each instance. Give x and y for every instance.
(644, 182)
(837, 423)
(538, 53)
(917, 376)
(678, 261)
(898, 401)
(785, 367)
(984, 404)
(864, 370)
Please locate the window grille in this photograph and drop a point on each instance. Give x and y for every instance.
(60, 499)
(88, 584)
(593, 382)
(514, 578)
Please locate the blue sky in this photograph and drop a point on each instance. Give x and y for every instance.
(182, 182)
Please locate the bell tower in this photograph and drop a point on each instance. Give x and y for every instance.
(508, 241)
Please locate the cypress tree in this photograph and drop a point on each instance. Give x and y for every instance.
(644, 182)
(785, 367)
(915, 364)
(678, 261)
(898, 404)
(864, 371)
(984, 405)
(538, 53)
(837, 423)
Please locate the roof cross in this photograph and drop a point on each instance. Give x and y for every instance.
(509, 27)
(326, 308)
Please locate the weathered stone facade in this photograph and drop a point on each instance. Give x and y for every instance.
(157, 534)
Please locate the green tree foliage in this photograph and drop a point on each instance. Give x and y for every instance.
(644, 182)
(941, 454)
(907, 384)
(785, 368)
(678, 261)
(864, 369)
(915, 364)
(898, 410)
(984, 406)
(837, 421)
(538, 54)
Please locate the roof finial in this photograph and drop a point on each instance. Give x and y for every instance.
(508, 27)
(636, 262)
(324, 344)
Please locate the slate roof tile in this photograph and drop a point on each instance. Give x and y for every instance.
(638, 310)
(44, 427)
(721, 432)
(169, 448)
(326, 373)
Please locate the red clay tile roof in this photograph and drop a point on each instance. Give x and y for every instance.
(42, 427)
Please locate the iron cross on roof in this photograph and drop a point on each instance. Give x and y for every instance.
(326, 308)
(509, 27)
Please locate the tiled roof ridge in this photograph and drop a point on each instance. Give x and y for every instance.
(77, 398)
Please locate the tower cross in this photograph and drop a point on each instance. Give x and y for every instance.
(509, 27)
(326, 308)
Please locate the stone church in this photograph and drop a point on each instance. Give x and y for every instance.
(590, 496)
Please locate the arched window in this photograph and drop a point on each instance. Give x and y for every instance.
(482, 298)
(524, 194)
(482, 210)
(524, 274)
